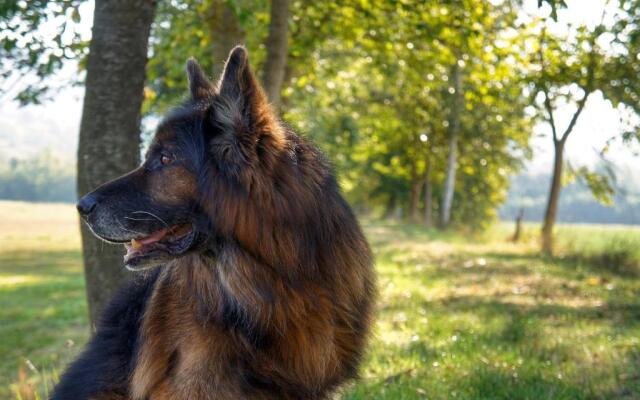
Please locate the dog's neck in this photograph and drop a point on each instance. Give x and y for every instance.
(210, 308)
(231, 288)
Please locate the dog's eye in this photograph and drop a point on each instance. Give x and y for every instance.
(165, 159)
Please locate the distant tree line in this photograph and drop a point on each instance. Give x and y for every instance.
(42, 177)
(577, 205)
(45, 178)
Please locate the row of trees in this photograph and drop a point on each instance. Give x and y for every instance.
(42, 177)
(426, 107)
(529, 193)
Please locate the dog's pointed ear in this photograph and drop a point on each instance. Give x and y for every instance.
(239, 89)
(237, 80)
(199, 86)
(241, 110)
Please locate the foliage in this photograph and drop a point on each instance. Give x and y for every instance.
(366, 79)
(37, 38)
(600, 184)
(385, 82)
(182, 29)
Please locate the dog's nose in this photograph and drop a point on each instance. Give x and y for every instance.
(86, 205)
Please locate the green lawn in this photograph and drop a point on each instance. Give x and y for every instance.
(460, 316)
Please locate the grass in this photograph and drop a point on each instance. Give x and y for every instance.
(43, 313)
(460, 317)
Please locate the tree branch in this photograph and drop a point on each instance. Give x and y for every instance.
(549, 107)
(547, 100)
(574, 119)
(588, 89)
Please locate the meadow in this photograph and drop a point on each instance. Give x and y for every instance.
(460, 315)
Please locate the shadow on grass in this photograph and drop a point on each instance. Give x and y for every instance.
(620, 265)
(620, 315)
(482, 363)
(496, 384)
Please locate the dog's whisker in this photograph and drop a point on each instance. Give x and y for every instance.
(128, 230)
(139, 219)
(152, 214)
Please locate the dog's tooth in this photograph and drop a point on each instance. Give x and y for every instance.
(135, 244)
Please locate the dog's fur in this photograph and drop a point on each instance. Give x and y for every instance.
(271, 298)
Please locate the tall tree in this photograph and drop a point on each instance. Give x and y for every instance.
(568, 69)
(277, 45)
(110, 127)
(454, 131)
(586, 84)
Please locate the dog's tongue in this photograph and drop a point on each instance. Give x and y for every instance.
(156, 237)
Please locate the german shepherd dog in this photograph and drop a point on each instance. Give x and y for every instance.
(257, 281)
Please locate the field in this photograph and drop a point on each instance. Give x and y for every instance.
(460, 316)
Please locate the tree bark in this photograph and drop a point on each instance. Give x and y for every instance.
(225, 33)
(518, 232)
(391, 206)
(428, 195)
(452, 158)
(414, 198)
(277, 44)
(109, 143)
(553, 198)
(414, 194)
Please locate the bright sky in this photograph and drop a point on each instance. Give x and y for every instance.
(55, 124)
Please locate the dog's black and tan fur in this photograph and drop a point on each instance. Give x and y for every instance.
(262, 283)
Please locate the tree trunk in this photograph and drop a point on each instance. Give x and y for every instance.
(553, 199)
(390, 208)
(518, 232)
(414, 199)
(276, 62)
(225, 33)
(452, 159)
(109, 143)
(428, 194)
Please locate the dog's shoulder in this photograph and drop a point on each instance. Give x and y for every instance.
(106, 363)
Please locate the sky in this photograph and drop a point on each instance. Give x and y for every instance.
(55, 124)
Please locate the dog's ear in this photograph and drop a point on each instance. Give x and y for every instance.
(243, 104)
(199, 86)
(237, 82)
(251, 131)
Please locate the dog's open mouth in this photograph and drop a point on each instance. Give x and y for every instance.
(173, 241)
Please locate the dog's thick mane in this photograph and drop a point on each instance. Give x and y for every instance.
(271, 298)
(284, 293)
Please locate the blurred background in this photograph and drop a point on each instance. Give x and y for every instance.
(490, 149)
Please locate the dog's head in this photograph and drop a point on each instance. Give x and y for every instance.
(203, 156)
